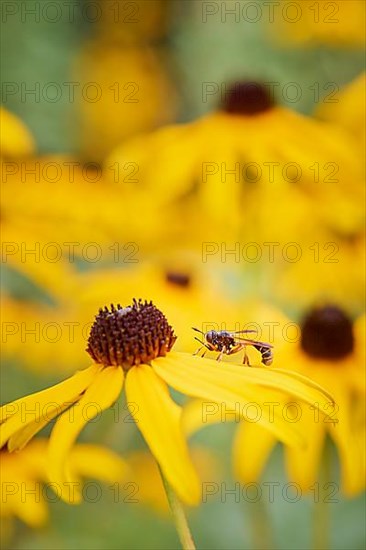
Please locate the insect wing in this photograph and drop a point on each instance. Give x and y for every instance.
(241, 331)
(254, 342)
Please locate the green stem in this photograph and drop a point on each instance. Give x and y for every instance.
(321, 519)
(260, 526)
(179, 516)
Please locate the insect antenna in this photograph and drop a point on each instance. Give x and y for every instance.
(197, 330)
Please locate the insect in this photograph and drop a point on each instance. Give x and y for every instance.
(227, 343)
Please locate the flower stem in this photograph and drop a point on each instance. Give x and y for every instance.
(262, 537)
(179, 516)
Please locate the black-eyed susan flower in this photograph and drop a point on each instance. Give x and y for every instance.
(328, 347)
(331, 350)
(25, 484)
(249, 158)
(131, 346)
(336, 23)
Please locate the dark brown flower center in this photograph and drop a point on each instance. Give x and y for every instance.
(247, 98)
(327, 334)
(179, 279)
(127, 336)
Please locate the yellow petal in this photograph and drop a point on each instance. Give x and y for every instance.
(33, 511)
(94, 461)
(189, 370)
(310, 383)
(145, 475)
(20, 439)
(101, 394)
(303, 466)
(158, 419)
(39, 408)
(252, 447)
(349, 437)
(233, 390)
(197, 414)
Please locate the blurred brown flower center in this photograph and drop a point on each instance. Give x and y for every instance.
(179, 279)
(247, 98)
(327, 334)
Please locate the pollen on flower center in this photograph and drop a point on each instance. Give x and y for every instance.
(327, 334)
(179, 279)
(127, 336)
(247, 98)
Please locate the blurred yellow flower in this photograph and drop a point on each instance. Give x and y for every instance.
(329, 270)
(350, 110)
(132, 345)
(26, 489)
(330, 350)
(250, 158)
(135, 22)
(338, 23)
(130, 93)
(57, 212)
(40, 335)
(16, 141)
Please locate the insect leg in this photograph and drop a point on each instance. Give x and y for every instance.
(246, 358)
(219, 357)
(199, 349)
(204, 345)
(236, 348)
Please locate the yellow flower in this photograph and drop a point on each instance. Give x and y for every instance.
(132, 346)
(16, 140)
(25, 484)
(57, 212)
(329, 270)
(330, 350)
(134, 95)
(336, 23)
(132, 23)
(239, 162)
